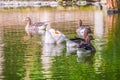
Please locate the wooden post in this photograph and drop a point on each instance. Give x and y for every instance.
(112, 6)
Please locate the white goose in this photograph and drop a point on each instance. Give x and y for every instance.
(54, 36)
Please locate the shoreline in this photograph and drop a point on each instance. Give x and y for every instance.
(16, 4)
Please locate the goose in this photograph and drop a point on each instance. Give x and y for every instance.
(54, 36)
(82, 30)
(83, 49)
(81, 43)
(86, 49)
(35, 28)
(77, 42)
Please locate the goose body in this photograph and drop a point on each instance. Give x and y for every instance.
(54, 36)
(74, 42)
(87, 48)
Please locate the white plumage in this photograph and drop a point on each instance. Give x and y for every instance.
(54, 36)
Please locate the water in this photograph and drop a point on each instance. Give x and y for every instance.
(31, 59)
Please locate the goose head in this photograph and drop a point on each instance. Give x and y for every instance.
(27, 20)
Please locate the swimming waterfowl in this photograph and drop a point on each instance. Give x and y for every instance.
(81, 47)
(81, 43)
(82, 30)
(48, 34)
(76, 42)
(35, 28)
(54, 36)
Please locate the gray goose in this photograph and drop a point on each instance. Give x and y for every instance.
(83, 30)
(35, 28)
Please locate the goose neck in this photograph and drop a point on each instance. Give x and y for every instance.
(28, 24)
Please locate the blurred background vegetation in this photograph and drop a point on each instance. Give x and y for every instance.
(49, 0)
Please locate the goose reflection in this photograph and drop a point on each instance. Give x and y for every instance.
(84, 56)
(70, 50)
(53, 49)
(47, 57)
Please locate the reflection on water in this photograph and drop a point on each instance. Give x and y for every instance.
(34, 60)
(52, 49)
(82, 54)
(48, 53)
(43, 14)
(1, 53)
(99, 31)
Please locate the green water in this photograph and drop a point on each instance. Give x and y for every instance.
(23, 59)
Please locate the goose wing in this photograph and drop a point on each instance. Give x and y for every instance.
(38, 24)
(77, 40)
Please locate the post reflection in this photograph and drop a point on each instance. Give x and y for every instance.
(1, 53)
(99, 25)
(103, 32)
(111, 20)
(99, 32)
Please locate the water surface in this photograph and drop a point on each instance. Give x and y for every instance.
(22, 59)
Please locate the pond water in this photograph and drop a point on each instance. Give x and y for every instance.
(31, 59)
